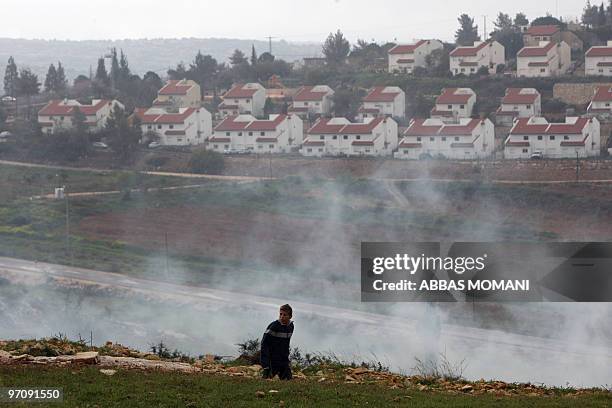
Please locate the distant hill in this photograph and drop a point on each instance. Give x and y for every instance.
(143, 55)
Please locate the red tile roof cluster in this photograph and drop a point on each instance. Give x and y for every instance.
(536, 51)
(599, 52)
(231, 124)
(519, 96)
(146, 117)
(451, 96)
(419, 128)
(58, 107)
(240, 92)
(380, 94)
(523, 127)
(175, 87)
(306, 93)
(323, 127)
(406, 49)
(603, 94)
(542, 30)
(469, 51)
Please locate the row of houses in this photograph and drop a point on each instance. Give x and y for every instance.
(547, 53)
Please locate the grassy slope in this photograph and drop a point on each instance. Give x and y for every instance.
(87, 387)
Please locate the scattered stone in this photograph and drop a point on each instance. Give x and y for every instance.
(87, 357)
(260, 394)
(108, 372)
(349, 378)
(467, 388)
(422, 387)
(209, 358)
(322, 379)
(281, 403)
(152, 357)
(360, 370)
(273, 391)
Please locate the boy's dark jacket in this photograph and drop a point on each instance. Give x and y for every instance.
(275, 345)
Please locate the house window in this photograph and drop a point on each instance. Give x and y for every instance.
(159, 126)
(320, 150)
(444, 138)
(367, 150)
(261, 147)
(216, 146)
(309, 150)
(239, 133)
(227, 146)
(542, 70)
(248, 100)
(358, 137)
(472, 69)
(171, 126)
(419, 139)
(449, 106)
(431, 139)
(462, 69)
(235, 100)
(525, 137)
(227, 133)
(61, 118)
(271, 146)
(462, 106)
(322, 137)
(335, 137)
(537, 38)
(149, 127)
(317, 103)
(566, 137)
(179, 140)
(456, 138)
(607, 104)
(345, 137)
(250, 133)
(262, 133)
(524, 150)
(539, 137)
(552, 137)
(528, 106)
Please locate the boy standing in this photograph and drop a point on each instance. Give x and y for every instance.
(275, 346)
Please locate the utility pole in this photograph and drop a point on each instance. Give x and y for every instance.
(167, 266)
(484, 35)
(270, 44)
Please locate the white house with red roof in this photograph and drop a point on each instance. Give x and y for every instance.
(383, 101)
(183, 93)
(244, 99)
(404, 58)
(469, 59)
(518, 103)
(338, 136)
(454, 103)
(58, 114)
(181, 127)
(277, 134)
(598, 60)
(577, 136)
(313, 100)
(468, 139)
(534, 35)
(544, 60)
(601, 103)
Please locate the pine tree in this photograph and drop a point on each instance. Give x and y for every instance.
(467, 32)
(101, 74)
(60, 79)
(238, 58)
(336, 48)
(114, 72)
(253, 56)
(11, 78)
(50, 79)
(520, 20)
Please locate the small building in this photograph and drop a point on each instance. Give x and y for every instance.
(183, 93)
(453, 104)
(404, 58)
(58, 114)
(313, 100)
(383, 101)
(338, 136)
(277, 134)
(243, 99)
(534, 35)
(577, 137)
(468, 60)
(598, 60)
(518, 103)
(545, 60)
(180, 127)
(430, 138)
(314, 62)
(601, 103)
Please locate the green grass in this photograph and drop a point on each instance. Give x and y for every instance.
(87, 387)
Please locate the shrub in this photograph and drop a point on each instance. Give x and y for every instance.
(206, 162)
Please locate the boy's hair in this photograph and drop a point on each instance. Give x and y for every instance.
(287, 309)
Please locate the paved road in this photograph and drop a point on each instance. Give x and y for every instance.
(490, 353)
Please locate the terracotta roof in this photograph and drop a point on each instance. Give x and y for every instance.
(469, 51)
(261, 125)
(450, 96)
(410, 145)
(519, 96)
(542, 30)
(297, 109)
(575, 143)
(57, 107)
(523, 127)
(175, 87)
(405, 61)
(602, 94)
(323, 127)
(417, 128)
(314, 143)
(459, 130)
(239, 91)
(266, 140)
(406, 49)
(599, 52)
(536, 51)
(604, 64)
(517, 144)
(378, 94)
(147, 117)
(231, 124)
(306, 93)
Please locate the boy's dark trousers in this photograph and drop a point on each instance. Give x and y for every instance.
(283, 371)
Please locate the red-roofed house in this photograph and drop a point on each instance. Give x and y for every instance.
(383, 101)
(454, 103)
(183, 93)
(577, 136)
(180, 127)
(536, 34)
(467, 139)
(598, 60)
(58, 114)
(518, 103)
(468, 60)
(338, 136)
(601, 103)
(277, 134)
(247, 99)
(544, 60)
(405, 58)
(314, 100)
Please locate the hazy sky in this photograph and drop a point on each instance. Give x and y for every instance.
(311, 20)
